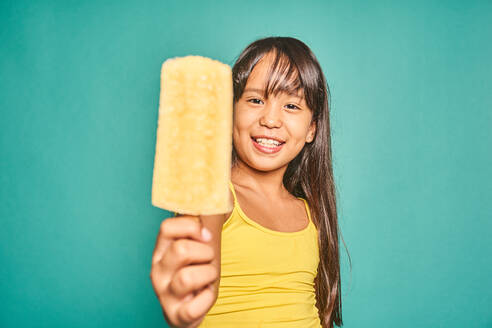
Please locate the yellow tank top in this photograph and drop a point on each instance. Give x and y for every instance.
(267, 276)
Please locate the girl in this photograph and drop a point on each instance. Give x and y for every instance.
(274, 260)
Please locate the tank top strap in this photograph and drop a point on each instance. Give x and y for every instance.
(233, 192)
(307, 208)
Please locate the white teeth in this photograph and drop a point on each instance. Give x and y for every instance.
(267, 142)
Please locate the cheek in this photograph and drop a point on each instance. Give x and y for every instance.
(299, 131)
(240, 131)
(242, 121)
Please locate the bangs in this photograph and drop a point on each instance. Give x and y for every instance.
(283, 76)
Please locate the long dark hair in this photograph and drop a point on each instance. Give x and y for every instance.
(310, 173)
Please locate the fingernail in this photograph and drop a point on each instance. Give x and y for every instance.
(206, 235)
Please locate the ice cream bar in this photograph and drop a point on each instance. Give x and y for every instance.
(192, 164)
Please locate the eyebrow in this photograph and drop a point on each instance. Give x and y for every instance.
(262, 91)
(254, 90)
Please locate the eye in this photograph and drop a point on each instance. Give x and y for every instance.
(255, 101)
(292, 106)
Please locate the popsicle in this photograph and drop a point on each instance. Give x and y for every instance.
(192, 161)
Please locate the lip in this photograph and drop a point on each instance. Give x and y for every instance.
(267, 150)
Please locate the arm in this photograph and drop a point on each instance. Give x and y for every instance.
(214, 224)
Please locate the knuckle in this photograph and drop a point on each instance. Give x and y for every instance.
(180, 248)
(185, 278)
(188, 314)
(155, 277)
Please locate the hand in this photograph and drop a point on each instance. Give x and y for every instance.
(182, 274)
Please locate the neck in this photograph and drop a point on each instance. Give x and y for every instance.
(268, 184)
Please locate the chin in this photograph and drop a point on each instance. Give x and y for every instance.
(266, 165)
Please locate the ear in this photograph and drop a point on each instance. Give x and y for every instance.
(311, 132)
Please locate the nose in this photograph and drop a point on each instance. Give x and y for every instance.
(270, 117)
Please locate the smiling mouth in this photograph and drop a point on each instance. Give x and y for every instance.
(267, 142)
(267, 147)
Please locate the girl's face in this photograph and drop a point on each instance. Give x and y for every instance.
(257, 121)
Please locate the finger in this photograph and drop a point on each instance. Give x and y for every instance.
(186, 251)
(161, 243)
(192, 278)
(197, 306)
(194, 217)
(175, 228)
(185, 226)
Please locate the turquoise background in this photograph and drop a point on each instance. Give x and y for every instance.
(411, 116)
